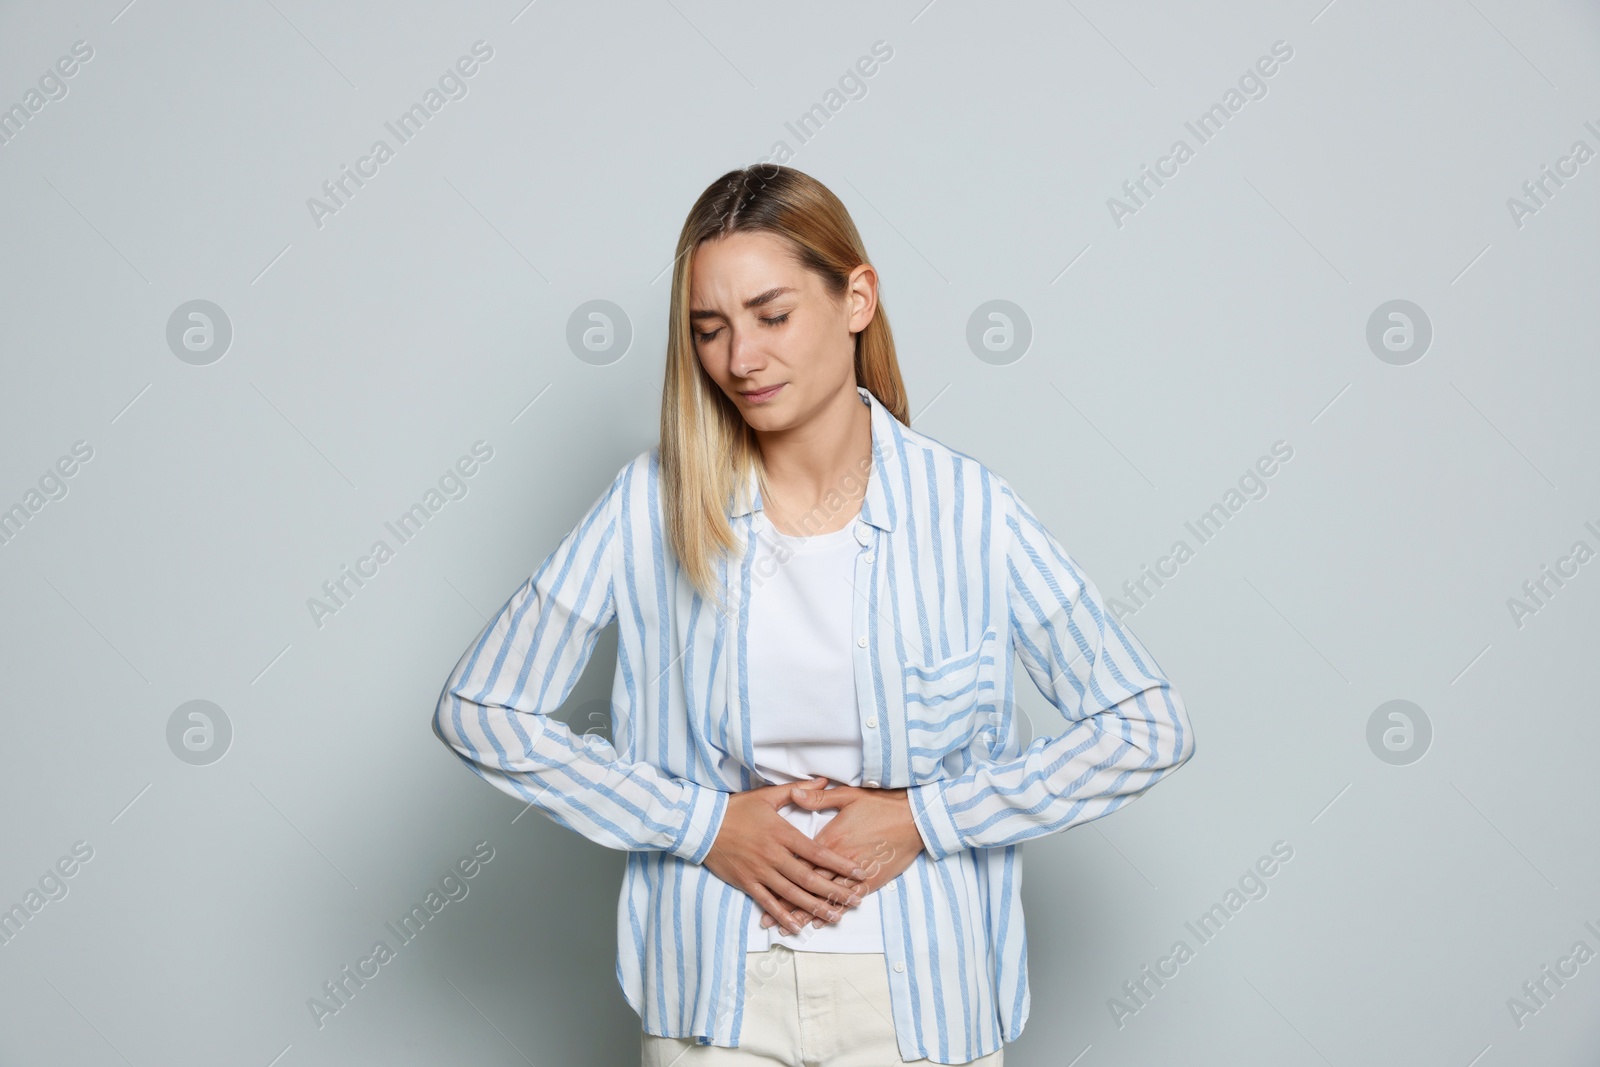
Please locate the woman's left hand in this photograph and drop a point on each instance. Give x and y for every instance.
(874, 827)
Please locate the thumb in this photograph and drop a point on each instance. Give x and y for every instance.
(780, 793)
(806, 793)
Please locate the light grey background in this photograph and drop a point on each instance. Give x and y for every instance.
(1167, 355)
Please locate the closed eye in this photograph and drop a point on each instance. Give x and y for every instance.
(776, 320)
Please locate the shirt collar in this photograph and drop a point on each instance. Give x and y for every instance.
(880, 507)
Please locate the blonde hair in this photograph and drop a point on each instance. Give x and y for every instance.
(708, 451)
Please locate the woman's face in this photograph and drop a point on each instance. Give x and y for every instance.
(768, 333)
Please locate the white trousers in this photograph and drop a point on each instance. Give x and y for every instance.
(804, 1009)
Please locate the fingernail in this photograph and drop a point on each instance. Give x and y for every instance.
(855, 898)
(858, 873)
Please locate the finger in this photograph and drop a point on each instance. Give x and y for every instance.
(859, 886)
(804, 919)
(825, 798)
(804, 875)
(837, 893)
(818, 884)
(797, 899)
(782, 793)
(798, 917)
(773, 906)
(807, 848)
(822, 856)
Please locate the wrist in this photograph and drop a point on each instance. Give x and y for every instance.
(933, 820)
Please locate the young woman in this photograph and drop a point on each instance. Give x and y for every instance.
(816, 767)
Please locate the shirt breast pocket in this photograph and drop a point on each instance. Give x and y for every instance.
(948, 703)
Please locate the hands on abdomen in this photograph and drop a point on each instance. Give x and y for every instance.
(790, 875)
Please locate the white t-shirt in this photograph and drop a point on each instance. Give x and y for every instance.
(804, 716)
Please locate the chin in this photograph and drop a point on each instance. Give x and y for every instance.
(764, 420)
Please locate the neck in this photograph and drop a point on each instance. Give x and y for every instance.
(816, 473)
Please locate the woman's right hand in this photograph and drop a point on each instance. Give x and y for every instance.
(759, 851)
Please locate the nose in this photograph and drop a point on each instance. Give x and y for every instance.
(744, 358)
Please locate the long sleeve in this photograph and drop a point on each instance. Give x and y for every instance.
(494, 711)
(1127, 726)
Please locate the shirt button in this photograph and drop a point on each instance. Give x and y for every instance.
(870, 785)
(899, 966)
(861, 532)
(871, 722)
(862, 641)
(869, 557)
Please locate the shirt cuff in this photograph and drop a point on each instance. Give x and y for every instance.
(932, 816)
(707, 807)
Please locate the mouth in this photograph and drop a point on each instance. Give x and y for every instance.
(760, 396)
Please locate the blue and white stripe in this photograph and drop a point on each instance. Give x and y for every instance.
(956, 577)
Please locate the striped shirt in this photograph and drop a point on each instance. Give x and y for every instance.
(956, 577)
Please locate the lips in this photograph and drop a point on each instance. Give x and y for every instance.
(761, 395)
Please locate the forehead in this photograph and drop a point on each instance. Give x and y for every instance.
(743, 265)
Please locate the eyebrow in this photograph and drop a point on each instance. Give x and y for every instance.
(759, 300)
